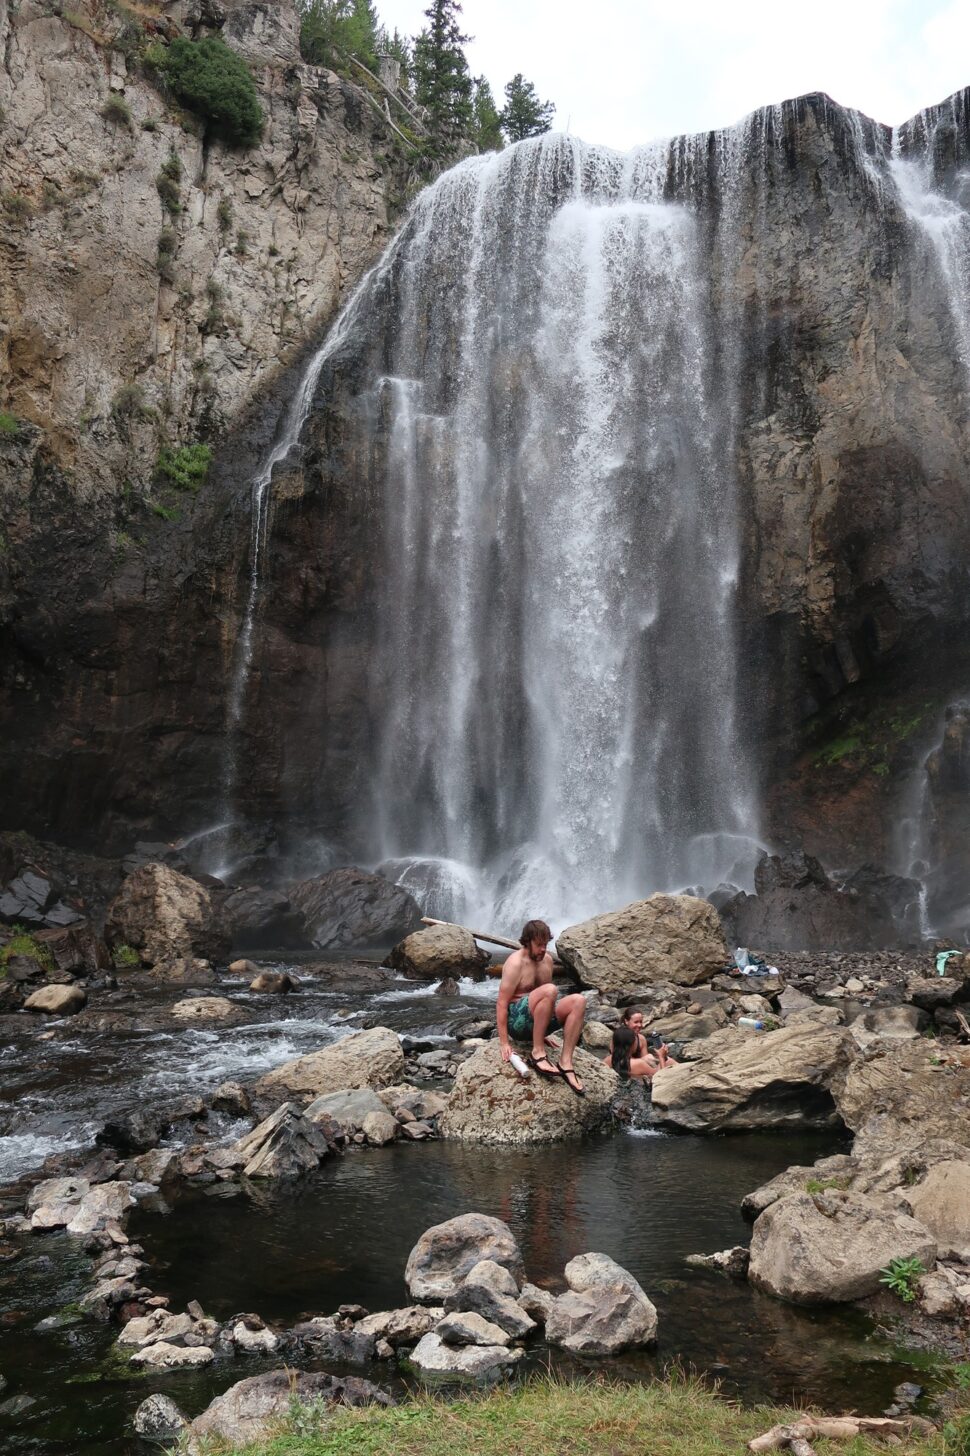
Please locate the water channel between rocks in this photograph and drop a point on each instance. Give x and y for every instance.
(343, 1234)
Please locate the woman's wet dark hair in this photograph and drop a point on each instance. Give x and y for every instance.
(534, 930)
(629, 1014)
(624, 1041)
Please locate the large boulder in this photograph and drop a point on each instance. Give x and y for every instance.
(350, 907)
(778, 1079)
(942, 1203)
(604, 1311)
(666, 938)
(57, 1000)
(445, 1255)
(165, 916)
(491, 1103)
(284, 1145)
(797, 906)
(257, 919)
(363, 1059)
(439, 950)
(76, 949)
(249, 1408)
(906, 1095)
(831, 1247)
(347, 1108)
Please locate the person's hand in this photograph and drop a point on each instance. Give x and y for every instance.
(506, 1051)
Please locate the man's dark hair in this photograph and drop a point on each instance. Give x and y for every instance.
(534, 930)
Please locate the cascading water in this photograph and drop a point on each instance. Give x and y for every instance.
(557, 638)
(535, 421)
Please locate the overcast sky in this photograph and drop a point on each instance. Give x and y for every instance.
(628, 71)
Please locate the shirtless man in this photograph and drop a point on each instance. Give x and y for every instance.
(527, 1007)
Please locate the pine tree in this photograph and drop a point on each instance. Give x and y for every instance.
(523, 114)
(486, 123)
(442, 82)
(333, 29)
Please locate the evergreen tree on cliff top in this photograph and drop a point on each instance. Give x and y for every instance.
(523, 114)
(486, 122)
(441, 78)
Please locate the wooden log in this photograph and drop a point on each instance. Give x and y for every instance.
(799, 1434)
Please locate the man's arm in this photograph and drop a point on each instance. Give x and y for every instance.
(506, 995)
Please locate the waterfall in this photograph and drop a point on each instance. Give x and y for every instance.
(219, 850)
(536, 407)
(556, 654)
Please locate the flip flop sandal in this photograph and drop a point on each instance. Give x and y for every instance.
(567, 1072)
(552, 1074)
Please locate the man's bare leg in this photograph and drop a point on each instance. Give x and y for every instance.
(541, 1002)
(571, 1013)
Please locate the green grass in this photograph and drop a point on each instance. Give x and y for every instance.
(24, 944)
(677, 1416)
(820, 1185)
(125, 957)
(9, 424)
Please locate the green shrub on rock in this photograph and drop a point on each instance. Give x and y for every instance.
(215, 83)
(187, 467)
(9, 424)
(116, 111)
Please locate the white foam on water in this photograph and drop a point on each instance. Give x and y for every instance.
(22, 1152)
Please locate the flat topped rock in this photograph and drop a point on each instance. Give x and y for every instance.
(491, 1103)
(775, 1079)
(831, 1247)
(665, 938)
(205, 1008)
(370, 1058)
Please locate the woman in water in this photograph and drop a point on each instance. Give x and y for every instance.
(629, 1054)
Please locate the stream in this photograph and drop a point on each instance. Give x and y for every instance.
(344, 1233)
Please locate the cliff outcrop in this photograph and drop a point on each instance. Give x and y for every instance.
(155, 288)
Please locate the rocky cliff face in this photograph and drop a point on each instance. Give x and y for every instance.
(840, 367)
(116, 591)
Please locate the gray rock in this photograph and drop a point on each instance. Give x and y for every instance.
(733, 1262)
(468, 1328)
(328, 1340)
(371, 1058)
(247, 1409)
(349, 907)
(605, 1310)
(437, 951)
(285, 1145)
(665, 938)
(830, 1247)
(348, 1108)
(158, 1419)
(491, 1291)
(536, 1302)
(401, 1326)
(100, 1206)
(444, 1255)
(380, 1128)
(155, 1328)
(162, 1356)
(57, 1000)
(892, 1023)
(462, 1362)
(490, 1103)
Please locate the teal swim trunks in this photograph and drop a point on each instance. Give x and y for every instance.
(520, 1020)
